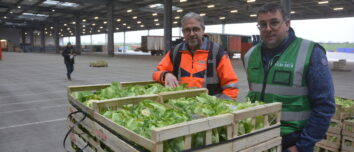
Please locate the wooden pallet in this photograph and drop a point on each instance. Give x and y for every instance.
(348, 128)
(348, 143)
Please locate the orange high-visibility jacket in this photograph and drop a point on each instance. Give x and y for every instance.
(193, 69)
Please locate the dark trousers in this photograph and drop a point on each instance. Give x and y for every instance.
(69, 69)
(290, 140)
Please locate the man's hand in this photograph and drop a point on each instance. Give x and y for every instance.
(293, 149)
(171, 80)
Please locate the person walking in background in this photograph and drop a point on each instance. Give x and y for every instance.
(294, 71)
(69, 59)
(198, 62)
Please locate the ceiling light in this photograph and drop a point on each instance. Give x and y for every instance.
(323, 2)
(117, 28)
(96, 17)
(73, 23)
(292, 12)
(182, 1)
(211, 6)
(128, 27)
(338, 8)
(83, 29)
(141, 25)
(129, 10)
(156, 20)
(98, 30)
(11, 12)
(175, 22)
(105, 22)
(202, 14)
(83, 25)
(68, 28)
(154, 14)
(65, 24)
(93, 24)
(177, 17)
(51, 27)
(253, 15)
(18, 7)
(45, 28)
(53, 10)
(5, 17)
(124, 24)
(83, 32)
(139, 22)
(83, 20)
(101, 27)
(233, 11)
(118, 20)
(157, 24)
(135, 17)
(180, 10)
(222, 17)
(251, 1)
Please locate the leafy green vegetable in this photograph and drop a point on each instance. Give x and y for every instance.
(116, 91)
(346, 103)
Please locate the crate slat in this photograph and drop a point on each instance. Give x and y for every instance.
(348, 128)
(346, 147)
(275, 142)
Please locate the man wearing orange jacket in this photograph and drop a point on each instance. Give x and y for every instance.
(198, 62)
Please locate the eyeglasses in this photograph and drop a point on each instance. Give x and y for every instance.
(189, 30)
(273, 24)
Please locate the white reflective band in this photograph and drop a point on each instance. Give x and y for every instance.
(247, 56)
(300, 62)
(281, 90)
(295, 116)
(231, 85)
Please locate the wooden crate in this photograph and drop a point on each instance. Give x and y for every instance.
(343, 112)
(348, 128)
(332, 144)
(242, 141)
(187, 129)
(337, 129)
(274, 143)
(348, 143)
(101, 134)
(324, 148)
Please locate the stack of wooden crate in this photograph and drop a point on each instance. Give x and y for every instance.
(336, 134)
(102, 134)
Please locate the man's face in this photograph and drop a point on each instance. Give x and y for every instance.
(273, 28)
(193, 33)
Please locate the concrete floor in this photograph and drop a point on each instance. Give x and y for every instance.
(33, 93)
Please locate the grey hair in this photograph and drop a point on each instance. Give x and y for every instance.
(273, 7)
(194, 16)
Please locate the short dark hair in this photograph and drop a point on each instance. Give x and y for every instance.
(273, 7)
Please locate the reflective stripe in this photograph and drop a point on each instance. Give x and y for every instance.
(231, 85)
(295, 116)
(281, 90)
(223, 96)
(300, 62)
(247, 56)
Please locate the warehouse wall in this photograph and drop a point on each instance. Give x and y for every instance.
(11, 34)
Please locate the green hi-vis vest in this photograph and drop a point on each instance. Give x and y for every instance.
(284, 82)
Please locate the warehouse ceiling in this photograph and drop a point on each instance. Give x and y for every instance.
(132, 15)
